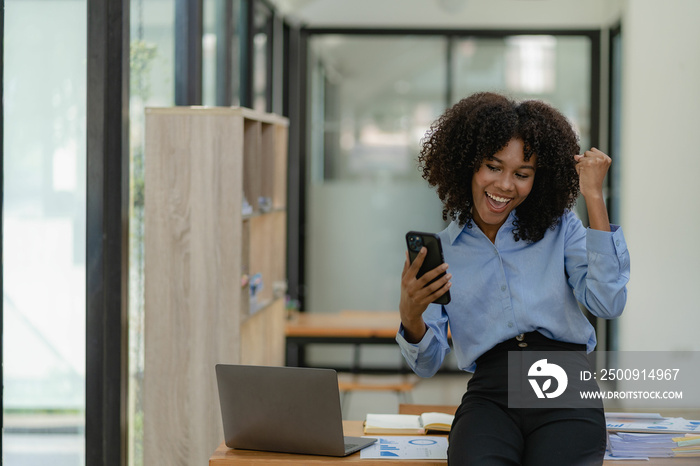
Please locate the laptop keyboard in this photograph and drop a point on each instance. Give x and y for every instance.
(348, 446)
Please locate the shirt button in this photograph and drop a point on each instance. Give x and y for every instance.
(617, 243)
(503, 288)
(510, 324)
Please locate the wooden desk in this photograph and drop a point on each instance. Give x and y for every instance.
(224, 456)
(344, 324)
(344, 327)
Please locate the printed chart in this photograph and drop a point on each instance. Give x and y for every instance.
(403, 447)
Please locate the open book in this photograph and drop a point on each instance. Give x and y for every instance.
(407, 423)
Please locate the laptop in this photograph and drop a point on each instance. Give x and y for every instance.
(283, 409)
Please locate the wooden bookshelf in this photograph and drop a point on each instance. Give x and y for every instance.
(202, 166)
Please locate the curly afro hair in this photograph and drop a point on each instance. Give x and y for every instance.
(479, 126)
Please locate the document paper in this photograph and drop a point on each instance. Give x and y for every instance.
(404, 447)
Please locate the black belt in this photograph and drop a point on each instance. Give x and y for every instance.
(533, 341)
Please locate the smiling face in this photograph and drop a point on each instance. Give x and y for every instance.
(500, 184)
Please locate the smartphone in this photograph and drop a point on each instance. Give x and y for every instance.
(415, 240)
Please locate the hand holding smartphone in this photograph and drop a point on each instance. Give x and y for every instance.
(415, 240)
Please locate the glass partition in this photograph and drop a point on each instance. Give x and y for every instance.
(555, 69)
(371, 99)
(44, 232)
(211, 41)
(261, 49)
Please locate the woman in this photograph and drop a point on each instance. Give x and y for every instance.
(520, 262)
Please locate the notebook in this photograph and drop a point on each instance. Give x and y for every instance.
(283, 409)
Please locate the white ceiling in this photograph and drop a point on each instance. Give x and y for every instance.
(451, 14)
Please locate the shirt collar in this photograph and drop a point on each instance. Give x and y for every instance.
(454, 229)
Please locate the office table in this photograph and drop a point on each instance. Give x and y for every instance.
(344, 327)
(224, 456)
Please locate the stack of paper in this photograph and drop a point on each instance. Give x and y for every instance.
(649, 422)
(647, 435)
(623, 444)
(687, 446)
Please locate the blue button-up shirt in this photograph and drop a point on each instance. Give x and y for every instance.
(502, 289)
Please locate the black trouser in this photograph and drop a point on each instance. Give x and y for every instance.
(487, 432)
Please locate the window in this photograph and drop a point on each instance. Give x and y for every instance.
(556, 69)
(262, 57)
(44, 232)
(371, 98)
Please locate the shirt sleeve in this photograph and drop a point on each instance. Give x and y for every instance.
(426, 356)
(598, 265)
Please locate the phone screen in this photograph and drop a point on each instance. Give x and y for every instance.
(415, 240)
